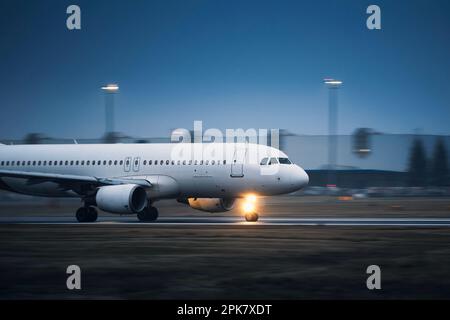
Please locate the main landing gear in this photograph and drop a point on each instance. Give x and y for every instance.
(149, 214)
(251, 217)
(86, 214)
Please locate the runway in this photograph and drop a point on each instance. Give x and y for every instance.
(236, 221)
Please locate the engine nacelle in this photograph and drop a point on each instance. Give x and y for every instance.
(123, 198)
(211, 204)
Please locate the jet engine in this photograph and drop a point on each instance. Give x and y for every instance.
(211, 204)
(124, 198)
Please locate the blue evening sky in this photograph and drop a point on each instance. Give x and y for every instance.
(246, 63)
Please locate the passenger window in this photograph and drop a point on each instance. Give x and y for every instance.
(149, 162)
(264, 161)
(12, 163)
(173, 162)
(195, 162)
(3, 163)
(190, 162)
(82, 162)
(39, 163)
(50, 163)
(213, 162)
(179, 162)
(7, 163)
(121, 162)
(45, 163)
(71, 163)
(99, 162)
(224, 161)
(60, 163)
(18, 163)
(207, 162)
(29, 163)
(145, 162)
(23, 163)
(115, 162)
(184, 162)
(161, 162)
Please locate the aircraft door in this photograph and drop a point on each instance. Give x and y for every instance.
(237, 165)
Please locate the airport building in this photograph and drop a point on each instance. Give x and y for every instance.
(380, 160)
(388, 152)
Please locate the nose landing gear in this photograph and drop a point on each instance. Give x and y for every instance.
(251, 217)
(249, 208)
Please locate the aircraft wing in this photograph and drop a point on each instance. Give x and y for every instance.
(68, 180)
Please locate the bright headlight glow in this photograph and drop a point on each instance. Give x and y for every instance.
(251, 198)
(248, 207)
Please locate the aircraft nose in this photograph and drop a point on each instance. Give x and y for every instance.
(299, 178)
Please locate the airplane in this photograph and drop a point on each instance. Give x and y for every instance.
(130, 178)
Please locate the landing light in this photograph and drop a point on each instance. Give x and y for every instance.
(248, 207)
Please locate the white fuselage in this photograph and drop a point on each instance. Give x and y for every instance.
(174, 170)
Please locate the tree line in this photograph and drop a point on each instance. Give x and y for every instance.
(425, 171)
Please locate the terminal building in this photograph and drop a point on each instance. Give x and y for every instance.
(381, 161)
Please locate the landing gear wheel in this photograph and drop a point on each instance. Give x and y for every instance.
(149, 214)
(86, 214)
(251, 217)
(92, 212)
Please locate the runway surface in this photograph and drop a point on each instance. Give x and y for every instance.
(219, 221)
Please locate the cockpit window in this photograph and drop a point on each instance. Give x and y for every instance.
(273, 161)
(284, 161)
(264, 161)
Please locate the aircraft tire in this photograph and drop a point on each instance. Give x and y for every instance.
(251, 217)
(149, 214)
(86, 214)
